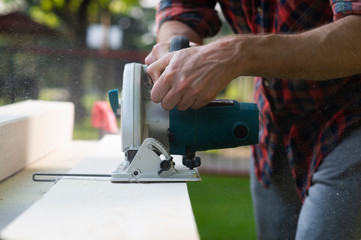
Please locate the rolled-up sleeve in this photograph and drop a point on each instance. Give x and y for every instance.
(343, 8)
(200, 15)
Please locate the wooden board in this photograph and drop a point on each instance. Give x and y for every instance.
(18, 192)
(98, 209)
(29, 130)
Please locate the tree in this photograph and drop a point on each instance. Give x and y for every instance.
(71, 19)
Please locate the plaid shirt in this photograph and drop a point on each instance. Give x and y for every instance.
(307, 118)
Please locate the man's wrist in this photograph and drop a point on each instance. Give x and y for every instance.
(270, 55)
(170, 29)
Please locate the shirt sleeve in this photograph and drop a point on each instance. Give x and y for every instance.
(200, 15)
(343, 8)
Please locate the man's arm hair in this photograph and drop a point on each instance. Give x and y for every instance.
(170, 29)
(327, 52)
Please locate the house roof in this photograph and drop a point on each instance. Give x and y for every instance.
(21, 23)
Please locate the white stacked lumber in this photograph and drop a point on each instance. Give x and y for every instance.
(31, 129)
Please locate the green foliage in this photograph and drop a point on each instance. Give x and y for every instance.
(122, 6)
(47, 18)
(55, 12)
(70, 19)
(239, 89)
(85, 131)
(223, 207)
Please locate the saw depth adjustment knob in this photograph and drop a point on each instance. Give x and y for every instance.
(191, 162)
(166, 165)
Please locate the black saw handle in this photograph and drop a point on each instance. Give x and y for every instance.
(178, 43)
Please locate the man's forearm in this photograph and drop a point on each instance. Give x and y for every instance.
(194, 76)
(328, 52)
(170, 29)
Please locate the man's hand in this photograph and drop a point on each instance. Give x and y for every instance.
(189, 77)
(159, 50)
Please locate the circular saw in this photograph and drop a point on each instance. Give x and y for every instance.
(151, 134)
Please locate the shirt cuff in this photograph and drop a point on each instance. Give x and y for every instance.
(204, 21)
(343, 8)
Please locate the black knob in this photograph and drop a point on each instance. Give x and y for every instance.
(166, 164)
(191, 163)
(240, 132)
(178, 43)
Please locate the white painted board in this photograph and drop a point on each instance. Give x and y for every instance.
(31, 129)
(99, 209)
(19, 192)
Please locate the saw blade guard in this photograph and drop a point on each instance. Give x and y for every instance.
(140, 117)
(131, 109)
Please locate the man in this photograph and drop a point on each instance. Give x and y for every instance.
(306, 54)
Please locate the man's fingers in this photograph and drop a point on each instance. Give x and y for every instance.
(198, 104)
(164, 91)
(159, 50)
(170, 100)
(154, 74)
(160, 90)
(156, 69)
(150, 58)
(161, 83)
(201, 102)
(185, 103)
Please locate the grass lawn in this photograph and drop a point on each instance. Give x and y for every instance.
(222, 207)
(85, 131)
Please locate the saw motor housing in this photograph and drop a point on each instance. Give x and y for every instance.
(220, 124)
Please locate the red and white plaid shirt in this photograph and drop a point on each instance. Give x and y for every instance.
(307, 118)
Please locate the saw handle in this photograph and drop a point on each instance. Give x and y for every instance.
(178, 43)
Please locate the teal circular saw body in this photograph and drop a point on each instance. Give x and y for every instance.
(220, 124)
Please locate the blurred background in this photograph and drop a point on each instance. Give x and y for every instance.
(75, 50)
